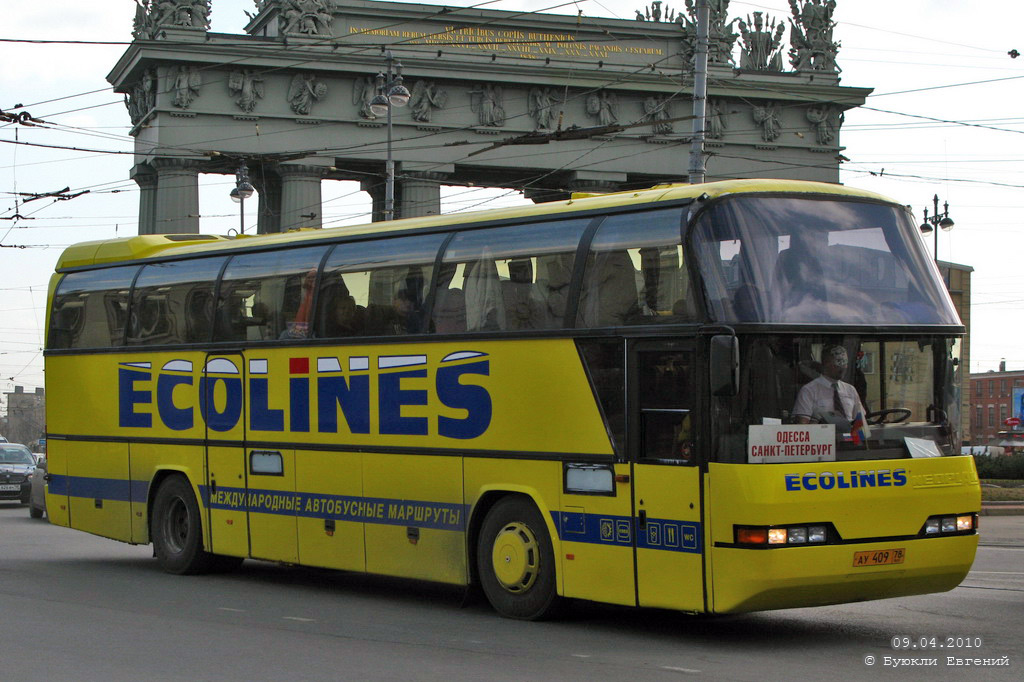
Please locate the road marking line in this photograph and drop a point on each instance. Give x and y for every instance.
(225, 608)
(301, 620)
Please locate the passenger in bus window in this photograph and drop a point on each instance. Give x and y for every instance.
(298, 328)
(398, 319)
(828, 395)
(344, 316)
(522, 310)
(450, 311)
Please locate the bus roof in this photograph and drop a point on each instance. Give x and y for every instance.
(110, 251)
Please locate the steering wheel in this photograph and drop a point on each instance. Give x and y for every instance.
(902, 414)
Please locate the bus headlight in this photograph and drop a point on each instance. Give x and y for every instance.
(817, 534)
(949, 524)
(778, 536)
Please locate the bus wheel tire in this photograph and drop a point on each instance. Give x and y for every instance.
(177, 529)
(515, 561)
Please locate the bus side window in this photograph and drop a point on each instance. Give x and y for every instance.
(387, 299)
(66, 322)
(173, 302)
(91, 308)
(666, 393)
(512, 277)
(268, 296)
(636, 272)
(609, 296)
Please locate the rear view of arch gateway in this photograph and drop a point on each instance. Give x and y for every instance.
(588, 399)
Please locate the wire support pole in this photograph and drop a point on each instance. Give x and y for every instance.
(389, 167)
(700, 93)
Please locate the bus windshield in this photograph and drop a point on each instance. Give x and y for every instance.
(903, 389)
(796, 260)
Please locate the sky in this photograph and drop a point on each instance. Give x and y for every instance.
(946, 118)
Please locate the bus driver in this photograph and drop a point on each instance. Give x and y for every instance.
(828, 394)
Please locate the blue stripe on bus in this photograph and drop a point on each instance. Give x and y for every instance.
(114, 489)
(600, 529)
(617, 531)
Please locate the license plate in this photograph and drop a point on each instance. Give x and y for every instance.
(8, 487)
(879, 557)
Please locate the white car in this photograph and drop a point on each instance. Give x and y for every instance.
(37, 498)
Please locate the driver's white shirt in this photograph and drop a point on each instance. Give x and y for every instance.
(815, 398)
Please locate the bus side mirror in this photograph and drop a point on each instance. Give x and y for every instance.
(725, 365)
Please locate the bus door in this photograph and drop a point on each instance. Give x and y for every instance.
(269, 469)
(251, 487)
(666, 477)
(222, 404)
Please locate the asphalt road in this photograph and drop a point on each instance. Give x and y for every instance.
(78, 607)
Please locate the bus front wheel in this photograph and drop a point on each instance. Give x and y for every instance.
(515, 561)
(177, 529)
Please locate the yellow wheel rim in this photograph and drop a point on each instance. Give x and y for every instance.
(516, 557)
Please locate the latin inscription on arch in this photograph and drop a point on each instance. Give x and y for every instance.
(513, 42)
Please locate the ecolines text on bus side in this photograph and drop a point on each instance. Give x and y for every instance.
(323, 390)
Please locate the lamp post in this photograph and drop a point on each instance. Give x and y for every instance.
(243, 190)
(935, 221)
(390, 93)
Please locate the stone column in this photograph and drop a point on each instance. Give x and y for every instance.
(419, 193)
(177, 196)
(145, 177)
(268, 186)
(300, 196)
(375, 188)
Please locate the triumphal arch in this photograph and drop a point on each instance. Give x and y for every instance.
(541, 103)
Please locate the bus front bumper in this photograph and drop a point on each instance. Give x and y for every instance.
(792, 577)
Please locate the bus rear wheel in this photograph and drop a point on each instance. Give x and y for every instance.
(515, 561)
(177, 529)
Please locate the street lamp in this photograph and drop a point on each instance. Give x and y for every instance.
(243, 190)
(390, 93)
(936, 221)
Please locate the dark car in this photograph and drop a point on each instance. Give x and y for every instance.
(16, 467)
(37, 499)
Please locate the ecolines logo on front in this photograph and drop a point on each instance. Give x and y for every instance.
(322, 390)
(882, 478)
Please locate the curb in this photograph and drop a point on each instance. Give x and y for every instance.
(1002, 509)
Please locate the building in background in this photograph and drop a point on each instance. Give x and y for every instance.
(997, 404)
(26, 416)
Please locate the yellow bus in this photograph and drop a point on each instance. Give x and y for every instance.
(610, 398)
